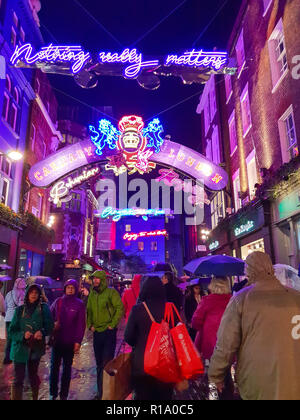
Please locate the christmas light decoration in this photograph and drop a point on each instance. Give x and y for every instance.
(135, 236)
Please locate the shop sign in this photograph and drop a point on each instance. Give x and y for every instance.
(247, 227)
(118, 214)
(133, 60)
(135, 236)
(60, 191)
(214, 245)
(289, 205)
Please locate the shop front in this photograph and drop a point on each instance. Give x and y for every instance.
(218, 243)
(250, 231)
(286, 228)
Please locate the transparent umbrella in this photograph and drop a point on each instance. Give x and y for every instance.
(287, 275)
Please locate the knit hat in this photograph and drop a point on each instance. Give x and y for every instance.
(100, 274)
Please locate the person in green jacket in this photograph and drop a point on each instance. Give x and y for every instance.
(31, 323)
(104, 312)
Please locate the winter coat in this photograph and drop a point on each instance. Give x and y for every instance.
(206, 320)
(40, 320)
(104, 308)
(190, 305)
(139, 323)
(2, 304)
(261, 326)
(173, 294)
(69, 311)
(130, 296)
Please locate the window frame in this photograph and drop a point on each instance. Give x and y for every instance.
(246, 113)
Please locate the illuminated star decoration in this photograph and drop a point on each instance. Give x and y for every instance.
(133, 160)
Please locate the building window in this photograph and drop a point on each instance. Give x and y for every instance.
(13, 37)
(38, 86)
(246, 112)
(267, 4)
(240, 53)
(217, 209)
(208, 151)
(127, 244)
(153, 246)
(6, 100)
(216, 146)
(277, 54)
(4, 189)
(252, 173)
(288, 138)
(206, 116)
(141, 246)
(76, 202)
(15, 20)
(228, 87)
(22, 34)
(236, 190)
(232, 133)
(213, 103)
(5, 165)
(33, 136)
(127, 228)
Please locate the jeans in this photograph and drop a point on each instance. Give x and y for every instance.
(60, 354)
(104, 349)
(8, 344)
(20, 371)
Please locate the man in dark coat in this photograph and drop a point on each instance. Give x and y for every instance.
(173, 294)
(136, 335)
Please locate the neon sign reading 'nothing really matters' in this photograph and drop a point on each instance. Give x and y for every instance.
(77, 57)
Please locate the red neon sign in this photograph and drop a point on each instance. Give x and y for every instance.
(135, 236)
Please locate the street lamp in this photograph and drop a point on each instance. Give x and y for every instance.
(14, 155)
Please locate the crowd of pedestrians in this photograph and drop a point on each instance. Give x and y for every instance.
(255, 330)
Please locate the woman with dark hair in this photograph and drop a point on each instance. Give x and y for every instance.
(173, 294)
(136, 335)
(191, 301)
(31, 323)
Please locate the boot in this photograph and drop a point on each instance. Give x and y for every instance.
(16, 393)
(35, 393)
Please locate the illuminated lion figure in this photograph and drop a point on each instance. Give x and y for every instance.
(152, 133)
(107, 135)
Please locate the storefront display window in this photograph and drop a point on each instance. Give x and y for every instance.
(31, 263)
(253, 246)
(4, 252)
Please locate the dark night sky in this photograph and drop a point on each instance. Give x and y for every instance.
(127, 21)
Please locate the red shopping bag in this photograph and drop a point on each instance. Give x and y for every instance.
(189, 360)
(160, 359)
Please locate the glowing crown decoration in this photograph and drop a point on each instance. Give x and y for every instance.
(131, 141)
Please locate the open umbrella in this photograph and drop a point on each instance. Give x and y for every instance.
(287, 275)
(5, 278)
(218, 265)
(5, 267)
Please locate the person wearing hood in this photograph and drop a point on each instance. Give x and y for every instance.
(13, 299)
(261, 328)
(30, 325)
(104, 312)
(70, 321)
(136, 334)
(173, 294)
(131, 295)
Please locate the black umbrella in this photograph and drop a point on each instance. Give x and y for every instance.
(163, 267)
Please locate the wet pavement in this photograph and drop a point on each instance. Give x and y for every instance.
(83, 384)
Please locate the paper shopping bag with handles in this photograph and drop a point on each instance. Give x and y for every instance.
(160, 359)
(117, 378)
(190, 362)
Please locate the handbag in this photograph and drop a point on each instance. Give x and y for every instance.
(190, 362)
(159, 358)
(117, 377)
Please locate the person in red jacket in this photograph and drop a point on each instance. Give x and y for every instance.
(130, 295)
(207, 317)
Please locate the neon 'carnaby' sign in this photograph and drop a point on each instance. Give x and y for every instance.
(133, 148)
(131, 58)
